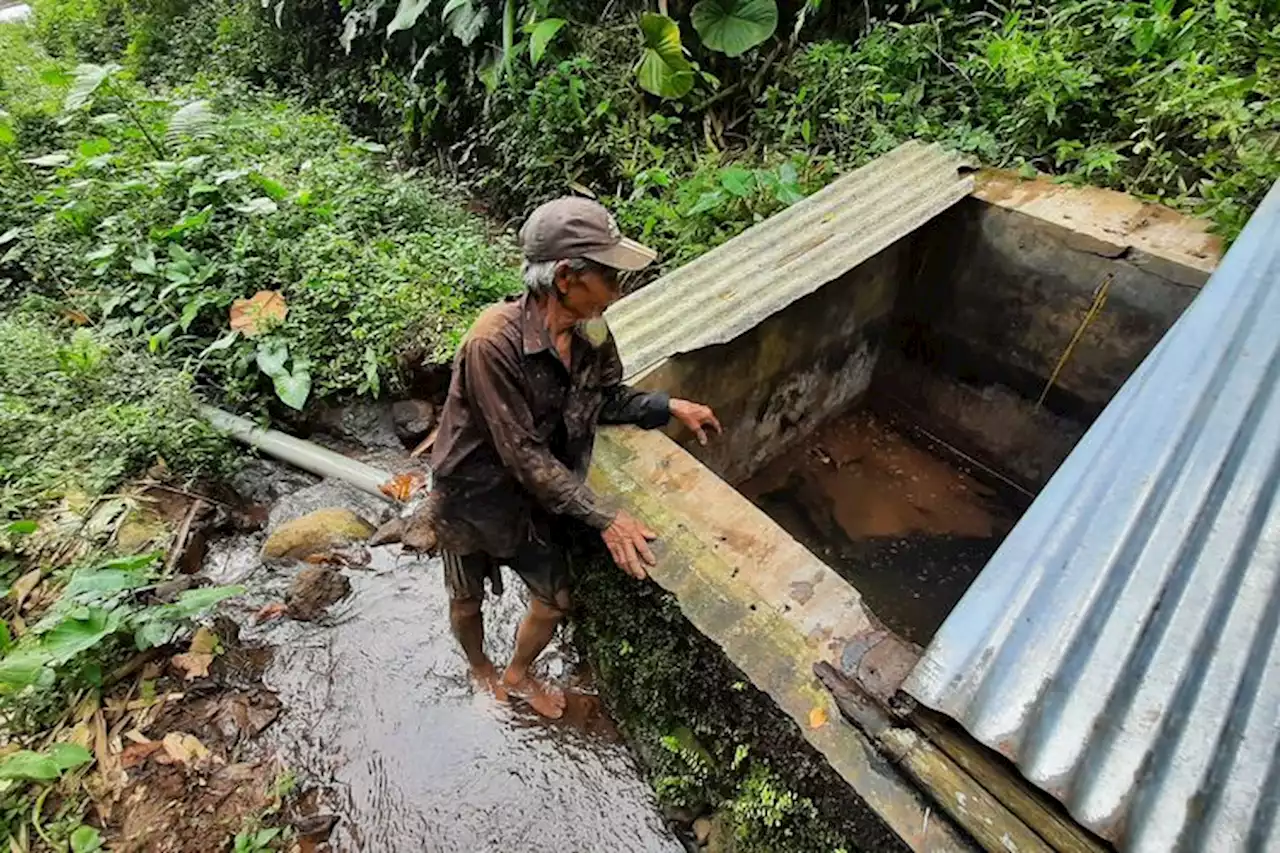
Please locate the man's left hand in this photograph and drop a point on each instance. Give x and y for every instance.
(697, 417)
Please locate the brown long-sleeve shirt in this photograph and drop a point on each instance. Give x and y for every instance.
(518, 427)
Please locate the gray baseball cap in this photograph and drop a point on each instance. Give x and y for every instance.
(573, 227)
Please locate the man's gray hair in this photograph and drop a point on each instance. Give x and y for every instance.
(540, 276)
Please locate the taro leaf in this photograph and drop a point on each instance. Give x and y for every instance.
(69, 755)
(294, 388)
(29, 765)
(256, 206)
(97, 584)
(407, 15)
(465, 19)
(86, 839)
(663, 69)
(271, 357)
(153, 633)
(733, 27)
(254, 316)
(88, 78)
(543, 33)
(196, 120)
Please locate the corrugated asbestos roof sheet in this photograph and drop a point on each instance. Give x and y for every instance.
(761, 271)
(1121, 646)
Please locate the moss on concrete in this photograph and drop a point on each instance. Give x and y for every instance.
(709, 740)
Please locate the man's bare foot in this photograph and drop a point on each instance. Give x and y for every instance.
(486, 675)
(547, 699)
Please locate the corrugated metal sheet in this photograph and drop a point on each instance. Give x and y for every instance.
(1121, 647)
(761, 271)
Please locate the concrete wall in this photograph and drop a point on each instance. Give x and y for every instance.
(776, 383)
(1003, 283)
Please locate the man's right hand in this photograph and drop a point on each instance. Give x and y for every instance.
(628, 541)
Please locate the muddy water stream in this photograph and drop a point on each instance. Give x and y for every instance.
(907, 527)
(380, 713)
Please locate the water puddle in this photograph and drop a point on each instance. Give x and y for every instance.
(380, 712)
(905, 526)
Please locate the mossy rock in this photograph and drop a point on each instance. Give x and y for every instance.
(315, 533)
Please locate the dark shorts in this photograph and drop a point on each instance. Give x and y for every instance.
(544, 566)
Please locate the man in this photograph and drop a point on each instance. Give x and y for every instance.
(530, 383)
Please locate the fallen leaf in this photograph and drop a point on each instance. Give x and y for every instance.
(193, 665)
(22, 586)
(403, 486)
(137, 737)
(256, 315)
(274, 610)
(817, 718)
(78, 318)
(205, 642)
(136, 753)
(184, 748)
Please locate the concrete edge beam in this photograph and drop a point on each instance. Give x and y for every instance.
(770, 604)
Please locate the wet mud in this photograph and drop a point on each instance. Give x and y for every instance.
(906, 526)
(379, 713)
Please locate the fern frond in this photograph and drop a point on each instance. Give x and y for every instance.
(196, 120)
(88, 78)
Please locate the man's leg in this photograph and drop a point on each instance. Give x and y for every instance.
(464, 578)
(545, 568)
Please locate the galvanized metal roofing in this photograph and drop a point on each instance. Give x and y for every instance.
(1121, 647)
(761, 271)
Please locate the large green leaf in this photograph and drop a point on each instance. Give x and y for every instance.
(663, 69)
(69, 755)
(465, 19)
(70, 637)
(543, 33)
(733, 27)
(293, 387)
(196, 120)
(87, 80)
(407, 15)
(193, 602)
(29, 765)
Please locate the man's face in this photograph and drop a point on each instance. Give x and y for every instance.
(586, 293)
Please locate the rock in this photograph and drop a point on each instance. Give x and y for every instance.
(413, 420)
(388, 533)
(325, 495)
(362, 423)
(315, 532)
(313, 590)
(702, 830)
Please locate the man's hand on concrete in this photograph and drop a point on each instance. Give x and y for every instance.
(697, 417)
(628, 542)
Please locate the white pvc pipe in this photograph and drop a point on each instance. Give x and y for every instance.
(301, 454)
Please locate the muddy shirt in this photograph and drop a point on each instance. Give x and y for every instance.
(518, 427)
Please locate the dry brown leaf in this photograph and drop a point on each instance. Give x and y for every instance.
(22, 586)
(254, 316)
(204, 642)
(193, 665)
(403, 486)
(274, 610)
(136, 753)
(137, 737)
(817, 718)
(184, 748)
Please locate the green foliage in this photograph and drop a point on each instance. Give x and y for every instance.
(663, 69)
(153, 241)
(82, 409)
(733, 27)
(1178, 104)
